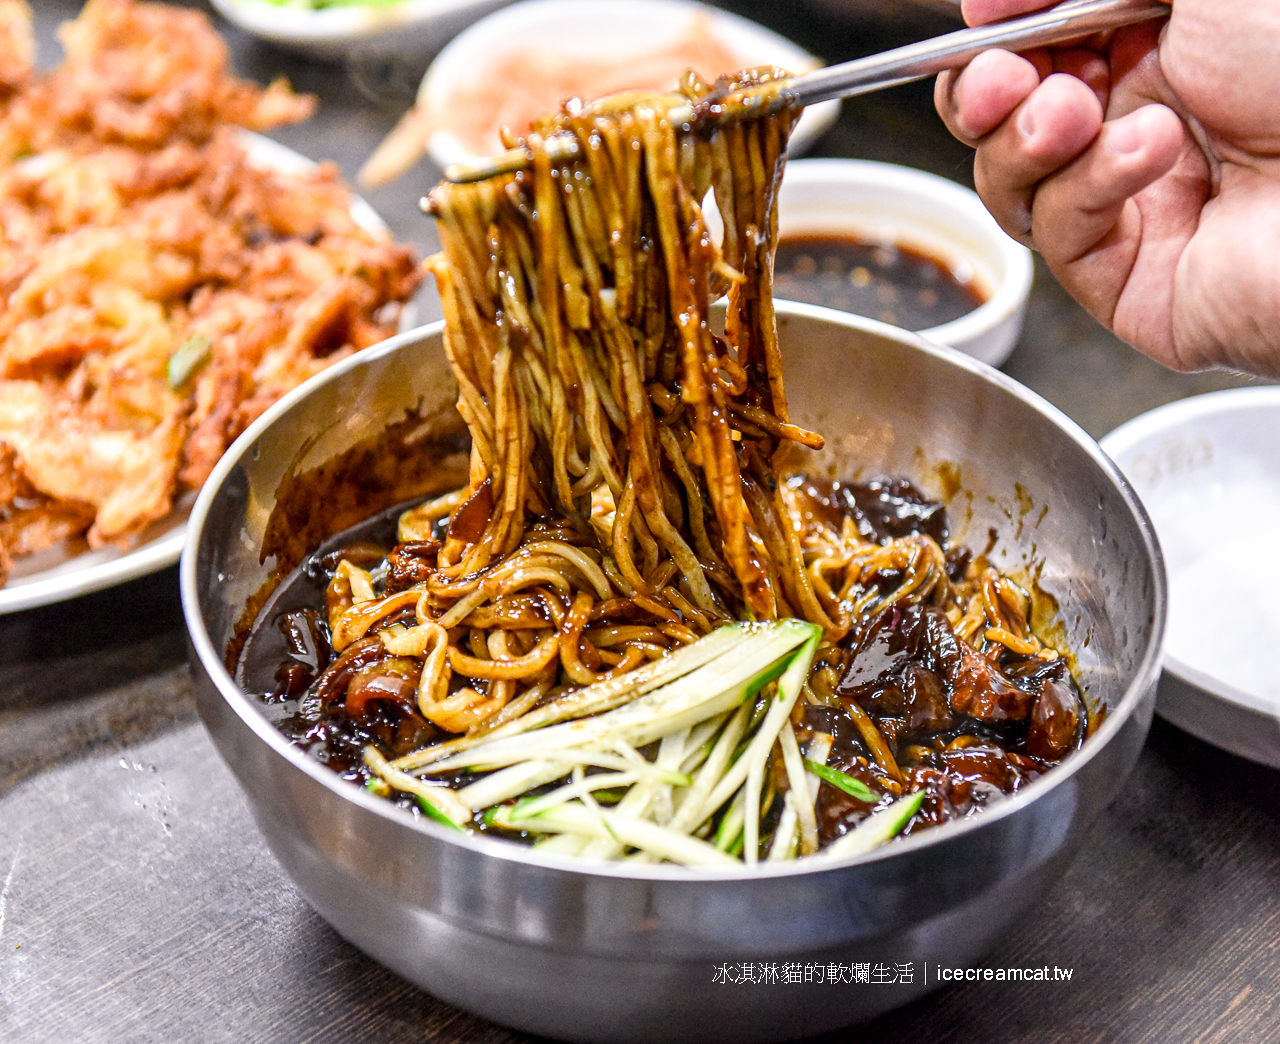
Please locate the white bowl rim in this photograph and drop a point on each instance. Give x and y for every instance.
(244, 706)
(1006, 297)
(1158, 421)
(348, 22)
(507, 23)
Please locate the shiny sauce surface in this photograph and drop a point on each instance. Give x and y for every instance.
(890, 282)
(964, 728)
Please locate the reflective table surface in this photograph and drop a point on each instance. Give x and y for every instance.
(138, 903)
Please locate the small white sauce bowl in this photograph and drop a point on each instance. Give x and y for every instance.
(884, 202)
(408, 30)
(1208, 471)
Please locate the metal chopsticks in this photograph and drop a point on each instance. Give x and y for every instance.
(1064, 22)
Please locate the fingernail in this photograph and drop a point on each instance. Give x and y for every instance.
(1124, 136)
(1096, 73)
(1027, 121)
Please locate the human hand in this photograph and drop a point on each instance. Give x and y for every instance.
(1144, 166)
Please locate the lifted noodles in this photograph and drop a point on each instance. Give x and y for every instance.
(636, 632)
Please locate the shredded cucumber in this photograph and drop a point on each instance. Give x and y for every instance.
(716, 710)
(876, 829)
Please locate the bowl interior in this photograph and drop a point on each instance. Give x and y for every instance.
(1208, 470)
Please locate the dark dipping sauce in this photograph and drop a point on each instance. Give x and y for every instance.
(966, 727)
(890, 282)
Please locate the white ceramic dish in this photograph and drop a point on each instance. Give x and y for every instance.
(1208, 470)
(411, 29)
(893, 204)
(592, 29)
(56, 575)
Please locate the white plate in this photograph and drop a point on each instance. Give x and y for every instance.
(594, 28)
(1208, 470)
(54, 575)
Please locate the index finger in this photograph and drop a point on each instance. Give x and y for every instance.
(980, 12)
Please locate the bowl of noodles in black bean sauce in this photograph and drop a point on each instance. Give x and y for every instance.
(573, 659)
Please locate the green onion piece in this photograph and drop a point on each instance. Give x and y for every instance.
(851, 785)
(432, 812)
(192, 354)
(378, 788)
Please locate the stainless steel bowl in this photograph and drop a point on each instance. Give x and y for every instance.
(607, 953)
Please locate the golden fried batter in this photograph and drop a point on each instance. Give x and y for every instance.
(158, 289)
(29, 520)
(17, 46)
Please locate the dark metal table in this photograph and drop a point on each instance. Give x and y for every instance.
(137, 902)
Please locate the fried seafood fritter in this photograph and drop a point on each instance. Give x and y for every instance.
(17, 47)
(158, 288)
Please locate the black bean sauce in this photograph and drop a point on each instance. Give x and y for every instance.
(963, 726)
